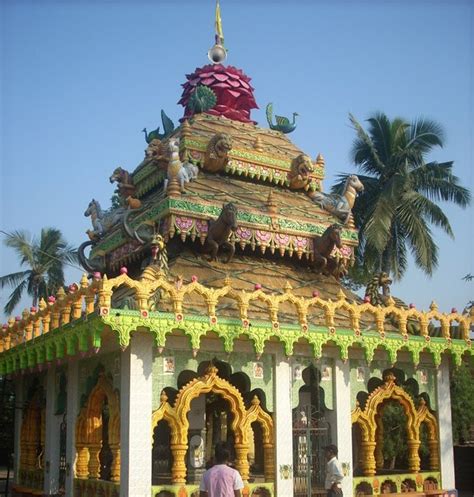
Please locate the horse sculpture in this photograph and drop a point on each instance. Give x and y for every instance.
(102, 220)
(340, 205)
(323, 246)
(219, 231)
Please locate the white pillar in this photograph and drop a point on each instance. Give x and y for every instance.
(283, 427)
(136, 437)
(51, 449)
(445, 425)
(343, 421)
(19, 402)
(72, 411)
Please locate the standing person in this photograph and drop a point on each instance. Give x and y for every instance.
(334, 473)
(221, 480)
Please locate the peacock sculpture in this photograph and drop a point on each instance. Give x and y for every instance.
(202, 99)
(282, 123)
(168, 127)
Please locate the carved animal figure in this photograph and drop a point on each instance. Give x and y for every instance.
(102, 221)
(219, 231)
(124, 182)
(183, 173)
(300, 173)
(340, 205)
(380, 280)
(217, 152)
(158, 254)
(168, 127)
(133, 203)
(202, 99)
(323, 246)
(283, 124)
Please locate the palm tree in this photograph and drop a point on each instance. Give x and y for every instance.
(45, 259)
(402, 192)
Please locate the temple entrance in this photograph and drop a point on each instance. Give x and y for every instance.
(311, 433)
(210, 420)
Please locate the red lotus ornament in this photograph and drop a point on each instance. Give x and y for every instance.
(231, 86)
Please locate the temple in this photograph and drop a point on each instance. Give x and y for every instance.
(212, 309)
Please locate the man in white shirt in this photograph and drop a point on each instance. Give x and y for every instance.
(334, 473)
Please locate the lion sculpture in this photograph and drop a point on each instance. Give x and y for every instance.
(300, 173)
(217, 152)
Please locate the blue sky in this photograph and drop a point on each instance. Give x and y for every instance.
(80, 79)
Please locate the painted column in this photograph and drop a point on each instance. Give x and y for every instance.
(136, 436)
(283, 427)
(72, 410)
(443, 395)
(343, 421)
(19, 401)
(51, 449)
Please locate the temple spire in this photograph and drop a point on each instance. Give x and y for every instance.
(218, 53)
(218, 24)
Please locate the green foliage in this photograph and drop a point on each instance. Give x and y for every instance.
(462, 402)
(402, 193)
(44, 259)
(395, 448)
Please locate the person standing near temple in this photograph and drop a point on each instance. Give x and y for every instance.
(334, 473)
(221, 480)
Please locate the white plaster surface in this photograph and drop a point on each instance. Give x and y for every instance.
(283, 424)
(136, 410)
(343, 420)
(72, 411)
(445, 426)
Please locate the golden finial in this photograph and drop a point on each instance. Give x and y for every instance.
(163, 397)
(320, 160)
(25, 314)
(433, 306)
(185, 129)
(255, 401)
(84, 282)
(389, 378)
(271, 204)
(60, 294)
(288, 287)
(390, 300)
(228, 281)
(42, 305)
(258, 144)
(341, 295)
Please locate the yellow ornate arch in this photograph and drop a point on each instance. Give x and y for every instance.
(210, 382)
(256, 413)
(425, 416)
(167, 413)
(367, 419)
(89, 431)
(32, 434)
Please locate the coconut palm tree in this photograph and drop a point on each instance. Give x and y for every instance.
(402, 192)
(44, 259)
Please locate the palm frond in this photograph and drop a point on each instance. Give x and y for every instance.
(364, 152)
(419, 237)
(428, 210)
(425, 134)
(436, 181)
(20, 241)
(14, 298)
(13, 279)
